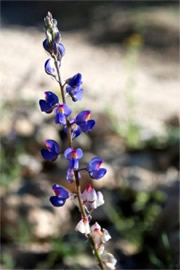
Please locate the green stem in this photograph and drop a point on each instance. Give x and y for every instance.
(78, 187)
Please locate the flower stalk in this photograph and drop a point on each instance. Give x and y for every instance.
(89, 199)
(78, 187)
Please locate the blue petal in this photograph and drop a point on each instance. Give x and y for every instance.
(46, 45)
(67, 152)
(74, 164)
(75, 132)
(69, 89)
(70, 175)
(48, 155)
(57, 201)
(98, 174)
(53, 146)
(45, 107)
(94, 164)
(61, 49)
(60, 191)
(51, 98)
(49, 47)
(50, 68)
(82, 116)
(79, 153)
(87, 126)
(60, 119)
(57, 37)
(75, 81)
(67, 110)
(77, 94)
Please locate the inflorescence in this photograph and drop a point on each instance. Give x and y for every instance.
(73, 127)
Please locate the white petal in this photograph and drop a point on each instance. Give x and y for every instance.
(83, 226)
(92, 196)
(100, 198)
(109, 260)
(96, 234)
(106, 236)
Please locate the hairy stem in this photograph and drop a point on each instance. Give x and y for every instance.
(78, 187)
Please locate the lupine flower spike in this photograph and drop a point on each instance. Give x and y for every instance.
(73, 127)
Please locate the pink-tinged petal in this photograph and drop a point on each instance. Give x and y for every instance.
(79, 153)
(52, 146)
(83, 116)
(83, 226)
(92, 196)
(60, 191)
(95, 163)
(96, 234)
(95, 227)
(106, 236)
(50, 68)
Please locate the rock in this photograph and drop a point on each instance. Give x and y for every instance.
(84, 142)
(83, 261)
(47, 131)
(31, 165)
(128, 248)
(24, 127)
(29, 208)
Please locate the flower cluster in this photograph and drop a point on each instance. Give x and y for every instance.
(73, 127)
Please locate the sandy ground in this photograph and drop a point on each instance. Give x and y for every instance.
(154, 78)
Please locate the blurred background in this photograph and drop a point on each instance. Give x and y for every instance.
(127, 52)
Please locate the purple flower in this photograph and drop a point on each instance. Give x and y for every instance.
(61, 112)
(73, 155)
(50, 68)
(54, 47)
(52, 150)
(75, 129)
(75, 81)
(82, 120)
(50, 47)
(61, 196)
(73, 87)
(94, 168)
(61, 49)
(70, 176)
(50, 101)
